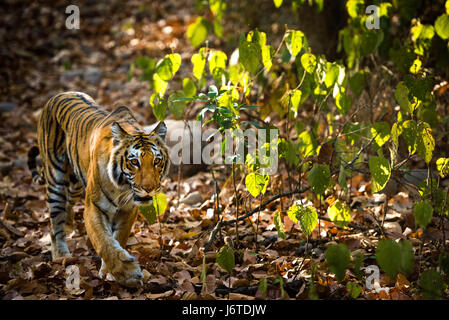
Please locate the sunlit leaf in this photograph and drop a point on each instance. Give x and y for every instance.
(380, 173)
(339, 213)
(160, 203)
(197, 31)
(443, 166)
(425, 143)
(199, 62)
(295, 41)
(256, 183)
(277, 220)
(308, 62)
(442, 26)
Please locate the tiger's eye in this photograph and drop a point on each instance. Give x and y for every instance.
(157, 161)
(134, 162)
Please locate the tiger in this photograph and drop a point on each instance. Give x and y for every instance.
(110, 158)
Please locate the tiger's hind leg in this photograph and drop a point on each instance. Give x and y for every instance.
(75, 191)
(57, 201)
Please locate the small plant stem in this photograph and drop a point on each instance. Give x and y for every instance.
(160, 237)
(236, 207)
(257, 225)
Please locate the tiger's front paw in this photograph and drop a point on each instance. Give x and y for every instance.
(126, 271)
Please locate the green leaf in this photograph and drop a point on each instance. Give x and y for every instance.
(443, 262)
(256, 183)
(420, 88)
(217, 63)
(159, 108)
(149, 213)
(218, 28)
(319, 178)
(381, 132)
(407, 257)
(339, 213)
(370, 41)
(295, 40)
(277, 3)
(425, 144)
(167, 67)
(442, 26)
(225, 258)
(443, 166)
(267, 56)
(396, 131)
(357, 262)
(145, 63)
(160, 203)
(159, 85)
(354, 289)
(338, 258)
(295, 99)
(175, 105)
(410, 133)
(416, 66)
(199, 62)
(387, 256)
(188, 88)
(250, 54)
(401, 94)
(197, 31)
(277, 220)
(355, 8)
(357, 83)
(308, 62)
(432, 284)
(307, 217)
(423, 213)
(307, 144)
(380, 173)
(343, 102)
(332, 72)
(217, 7)
(293, 212)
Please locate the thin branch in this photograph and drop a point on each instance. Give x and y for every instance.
(249, 214)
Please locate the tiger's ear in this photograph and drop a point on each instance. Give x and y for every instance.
(161, 130)
(118, 133)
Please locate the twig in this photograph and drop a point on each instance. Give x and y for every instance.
(236, 206)
(250, 213)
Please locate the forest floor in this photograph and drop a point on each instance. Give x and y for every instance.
(42, 58)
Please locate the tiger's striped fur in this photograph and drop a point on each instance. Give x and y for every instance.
(112, 158)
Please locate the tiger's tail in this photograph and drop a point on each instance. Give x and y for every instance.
(32, 166)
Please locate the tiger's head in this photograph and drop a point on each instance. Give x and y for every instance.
(139, 160)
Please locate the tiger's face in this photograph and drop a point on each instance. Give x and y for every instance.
(142, 159)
